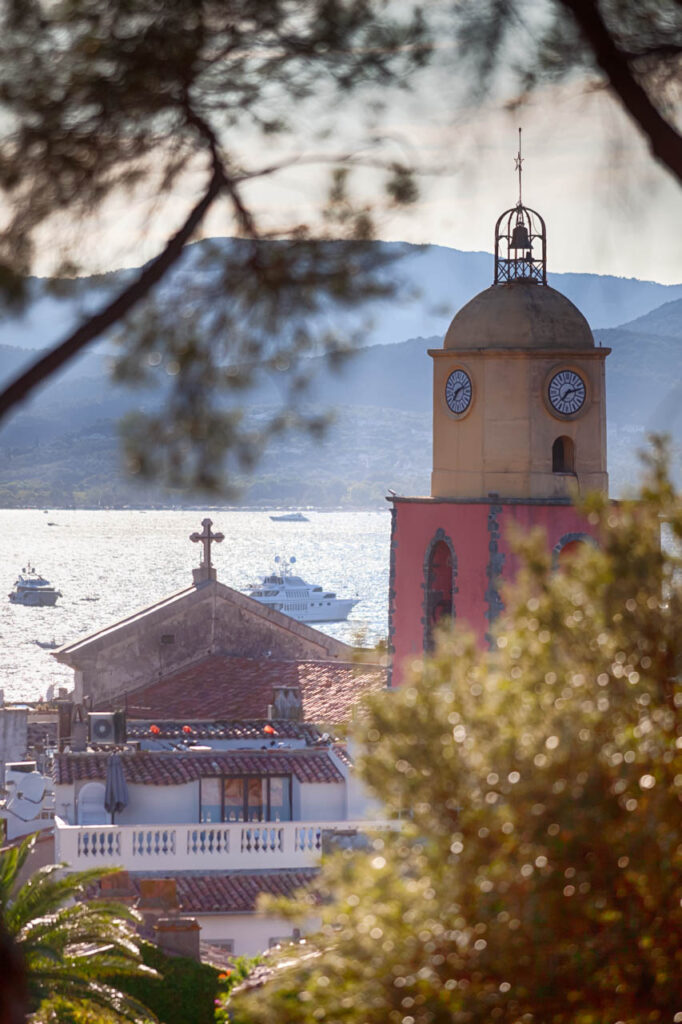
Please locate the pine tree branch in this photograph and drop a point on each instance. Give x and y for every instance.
(664, 141)
(150, 276)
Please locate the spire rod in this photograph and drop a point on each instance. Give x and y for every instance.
(518, 167)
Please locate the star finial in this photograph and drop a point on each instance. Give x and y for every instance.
(518, 166)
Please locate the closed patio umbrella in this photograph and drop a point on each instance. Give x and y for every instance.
(115, 788)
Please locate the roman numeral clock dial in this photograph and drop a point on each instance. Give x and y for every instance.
(458, 392)
(566, 392)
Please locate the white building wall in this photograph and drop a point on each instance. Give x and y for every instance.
(175, 805)
(359, 803)
(148, 805)
(250, 933)
(161, 805)
(322, 801)
(13, 731)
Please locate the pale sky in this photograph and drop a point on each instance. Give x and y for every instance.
(609, 208)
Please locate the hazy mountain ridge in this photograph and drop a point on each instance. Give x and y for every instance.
(433, 283)
(61, 448)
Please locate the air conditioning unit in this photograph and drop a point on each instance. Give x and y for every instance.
(107, 728)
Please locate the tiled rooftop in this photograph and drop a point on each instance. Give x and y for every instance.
(221, 687)
(216, 893)
(138, 729)
(342, 753)
(174, 768)
(229, 894)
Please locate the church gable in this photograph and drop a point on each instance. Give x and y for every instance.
(184, 629)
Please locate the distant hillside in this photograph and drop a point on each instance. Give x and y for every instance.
(61, 449)
(433, 282)
(664, 321)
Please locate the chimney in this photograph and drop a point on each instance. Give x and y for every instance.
(158, 894)
(64, 717)
(117, 887)
(287, 703)
(178, 936)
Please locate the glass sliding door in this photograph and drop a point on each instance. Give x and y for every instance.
(234, 799)
(246, 798)
(211, 807)
(256, 793)
(280, 798)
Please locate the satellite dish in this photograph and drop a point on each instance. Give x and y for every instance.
(27, 810)
(31, 786)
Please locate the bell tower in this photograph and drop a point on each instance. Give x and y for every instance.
(519, 425)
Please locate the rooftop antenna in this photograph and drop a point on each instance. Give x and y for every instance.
(518, 166)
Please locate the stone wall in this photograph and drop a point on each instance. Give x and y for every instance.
(13, 736)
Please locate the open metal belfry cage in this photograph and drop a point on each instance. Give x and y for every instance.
(520, 246)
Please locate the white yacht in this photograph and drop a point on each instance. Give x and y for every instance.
(32, 590)
(302, 601)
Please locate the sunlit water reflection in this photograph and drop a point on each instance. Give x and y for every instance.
(126, 560)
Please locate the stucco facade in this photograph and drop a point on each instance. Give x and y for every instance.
(519, 428)
(482, 558)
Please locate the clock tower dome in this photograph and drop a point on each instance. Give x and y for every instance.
(519, 426)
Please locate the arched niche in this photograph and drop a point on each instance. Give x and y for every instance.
(569, 545)
(440, 576)
(563, 455)
(91, 810)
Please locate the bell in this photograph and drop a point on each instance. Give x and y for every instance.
(519, 238)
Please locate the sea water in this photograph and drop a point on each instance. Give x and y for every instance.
(109, 564)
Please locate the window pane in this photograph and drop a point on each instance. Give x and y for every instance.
(257, 798)
(234, 799)
(280, 804)
(210, 800)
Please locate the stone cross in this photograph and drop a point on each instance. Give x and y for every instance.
(207, 538)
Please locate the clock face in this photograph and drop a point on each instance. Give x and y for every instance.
(458, 392)
(567, 392)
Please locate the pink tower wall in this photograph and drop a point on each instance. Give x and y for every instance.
(477, 532)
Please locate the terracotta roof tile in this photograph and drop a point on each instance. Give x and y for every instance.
(138, 729)
(174, 768)
(220, 893)
(228, 688)
(342, 753)
(229, 894)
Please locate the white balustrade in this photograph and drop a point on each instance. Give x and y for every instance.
(309, 838)
(99, 843)
(206, 840)
(200, 847)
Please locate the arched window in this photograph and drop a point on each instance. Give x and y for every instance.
(439, 585)
(91, 810)
(568, 546)
(563, 455)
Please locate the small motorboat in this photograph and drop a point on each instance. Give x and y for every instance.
(33, 590)
(290, 517)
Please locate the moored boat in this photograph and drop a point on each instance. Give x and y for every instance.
(303, 601)
(290, 517)
(33, 590)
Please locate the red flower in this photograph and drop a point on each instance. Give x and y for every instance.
(154, 730)
(186, 728)
(269, 731)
